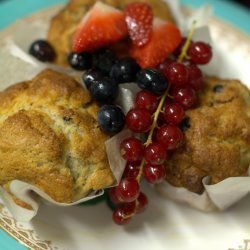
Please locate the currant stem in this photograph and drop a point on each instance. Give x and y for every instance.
(187, 43)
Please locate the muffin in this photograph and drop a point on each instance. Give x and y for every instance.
(64, 24)
(49, 137)
(217, 137)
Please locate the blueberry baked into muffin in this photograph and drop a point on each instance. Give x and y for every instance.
(217, 137)
(49, 137)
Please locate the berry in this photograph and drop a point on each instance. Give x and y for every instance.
(154, 173)
(178, 51)
(90, 76)
(200, 52)
(104, 90)
(162, 66)
(100, 27)
(195, 77)
(164, 39)
(103, 60)
(42, 51)
(185, 124)
(177, 73)
(185, 96)
(152, 80)
(125, 70)
(147, 100)
(173, 113)
(111, 119)
(112, 196)
(138, 120)
(131, 170)
(142, 202)
(132, 149)
(80, 61)
(169, 136)
(155, 154)
(122, 215)
(139, 19)
(128, 190)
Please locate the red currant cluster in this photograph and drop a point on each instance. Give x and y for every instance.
(159, 116)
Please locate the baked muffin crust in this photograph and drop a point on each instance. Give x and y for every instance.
(49, 137)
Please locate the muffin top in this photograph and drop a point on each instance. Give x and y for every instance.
(217, 135)
(49, 137)
(64, 24)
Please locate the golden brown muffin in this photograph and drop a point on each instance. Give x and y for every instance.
(49, 137)
(217, 137)
(64, 24)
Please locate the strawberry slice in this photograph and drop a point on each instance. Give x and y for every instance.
(164, 40)
(101, 26)
(139, 19)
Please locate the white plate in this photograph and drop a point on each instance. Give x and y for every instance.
(165, 224)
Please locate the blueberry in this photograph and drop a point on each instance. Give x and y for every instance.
(90, 76)
(111, 119)
(103, 60)
(42, 51)
(152, 80)
(80, 61)
(104, 90)
(217, 88)
(185, 124)
(125, 70)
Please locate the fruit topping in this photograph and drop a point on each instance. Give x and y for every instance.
(173, 113)
(111, 119)
(42, 51)
(90, 76)
(124, 70)
(102, 26)
(146, 100)
(154, 173)
(164, 39)
(139, 19)
(152, 80)
(80, 61)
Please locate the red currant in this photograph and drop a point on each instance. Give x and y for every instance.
(132, 149)
(146, 100)
(138, 120)
(155, 154)
(142, 202)
(200, 52)
(177, 73)
(185, 96)
(122, 215)
(154, 173)
(195, 77)
(169, 136)
(173, 113)
(128, 190)
(162, 67)
(112, 196)
(178, 51)
(132, 170)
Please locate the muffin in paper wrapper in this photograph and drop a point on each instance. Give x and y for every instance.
(215, 197)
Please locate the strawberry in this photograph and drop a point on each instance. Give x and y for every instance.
(139, 19)
(164, 40)
(101, 26)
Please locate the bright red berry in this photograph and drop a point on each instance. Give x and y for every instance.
(185, 96)
(154, 173)
(128, 190)
(122, 215)
(132, 149)
(112, 196)
(142, 202)
(169, 136)
(146, 100)
(139, 19)
(177, 73)
(138, 120)
(155, 154)
(131, 170)
(195, 77)
(173, 113)
(200, 52)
